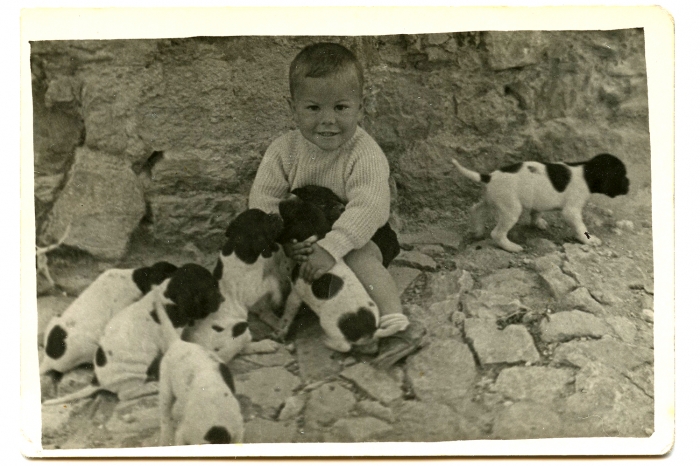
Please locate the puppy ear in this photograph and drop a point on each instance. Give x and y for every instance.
(147, 277)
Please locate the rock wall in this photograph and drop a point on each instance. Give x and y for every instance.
(164, 136)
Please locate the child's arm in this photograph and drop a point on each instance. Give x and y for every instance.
(367, 189)
(270, 185)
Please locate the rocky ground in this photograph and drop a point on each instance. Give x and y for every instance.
(556, 341)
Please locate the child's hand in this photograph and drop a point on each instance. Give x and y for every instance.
(319, 262)
(299, 252)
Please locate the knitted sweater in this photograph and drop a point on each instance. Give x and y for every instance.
(357, 172)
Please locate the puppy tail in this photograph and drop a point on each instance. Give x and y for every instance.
(474, 176)
(169, 334)
(84, 392)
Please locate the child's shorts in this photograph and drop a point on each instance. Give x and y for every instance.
(388, 244)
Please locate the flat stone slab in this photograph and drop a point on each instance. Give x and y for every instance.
(293, 406)
(511, 345)
(264, 431)
(541, 245)
(567, 325)
(135, 422)
(488, 305)
(327, 404)
(442, 372)
(608, 279)
(539, 384)
(430, 422)
(268, 387)
(415, 259)
(482, 257)
(624, 328)
(54, 418)
(581, 299)
(375, 409)
(361, 429)
(608, 351)
(445, 238)
(377, 384)
(513, 283)
(403, 276)
(316, 361)
(437, 320)
(558, 283)
(527, 420)
(609, 403)
(445, 284)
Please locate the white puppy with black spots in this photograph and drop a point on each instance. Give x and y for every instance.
(536, 187)
(197, 402)
(248, 270)
(128, 356)
(72, 338)
(347, 314)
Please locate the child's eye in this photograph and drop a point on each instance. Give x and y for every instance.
(312, 108)
(340, 108)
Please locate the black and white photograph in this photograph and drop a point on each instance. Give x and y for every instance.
(436, 238)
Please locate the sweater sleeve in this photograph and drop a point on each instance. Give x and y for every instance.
(271, 184)
(367, 189)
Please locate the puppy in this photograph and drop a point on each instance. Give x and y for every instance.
(347, 313)
(325, 199)
(197, 397)
(248, 272)
(129, 352)
(72, 338)
(538, 187)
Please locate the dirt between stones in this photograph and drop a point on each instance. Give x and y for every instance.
(577, 366)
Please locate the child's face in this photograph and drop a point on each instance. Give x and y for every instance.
(328, 109)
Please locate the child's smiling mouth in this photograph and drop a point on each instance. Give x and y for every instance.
(327, 134)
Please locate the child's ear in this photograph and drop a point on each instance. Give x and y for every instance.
(290, 102)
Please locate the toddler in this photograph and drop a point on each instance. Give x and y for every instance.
(329, 149)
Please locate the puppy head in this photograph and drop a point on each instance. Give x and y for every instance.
(302, 220)
(146, 277)
(225, 335)
(324, 198)
(606, 174)
(358, 327)
(195, 294)
(251, 234)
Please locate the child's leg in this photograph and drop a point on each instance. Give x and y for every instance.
(366, 263)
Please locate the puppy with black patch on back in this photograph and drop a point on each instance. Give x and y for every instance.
(197, 402)
(247, 271)
(128, 356)
(72, 338)
(347, 314)
(536, 187)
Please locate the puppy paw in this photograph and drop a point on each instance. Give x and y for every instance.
(593, 241)
(262, 346)
(509, 246)
(337, 345)
(541, 223)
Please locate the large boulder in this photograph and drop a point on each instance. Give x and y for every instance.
(102, 203)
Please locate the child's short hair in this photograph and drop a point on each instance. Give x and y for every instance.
(320, 60)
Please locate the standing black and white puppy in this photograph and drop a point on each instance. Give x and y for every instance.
(248, 271)
(537, 187)
(346, 312)
(196, 395)
(72, 338)
(128, 356)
